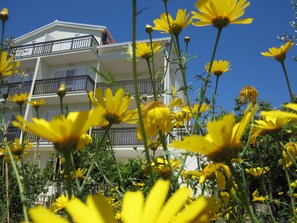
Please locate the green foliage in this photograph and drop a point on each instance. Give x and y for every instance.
(34, 184)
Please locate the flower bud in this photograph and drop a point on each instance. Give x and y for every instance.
(62, 90)
(187, 39)
(4, 14)
(148, 29)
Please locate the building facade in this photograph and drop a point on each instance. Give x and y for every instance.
(68, 53)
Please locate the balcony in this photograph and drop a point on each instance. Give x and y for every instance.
(144, 85)
(127, 136)
(16, 87)
(12, 133)
(117, 136)
(73, 84)
(55, 46)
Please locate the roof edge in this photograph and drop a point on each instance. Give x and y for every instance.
(61, 23)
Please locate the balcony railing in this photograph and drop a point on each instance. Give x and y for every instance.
(13, 88)
(127, 136)
(12, 133)
(144, 86)
(55, 46)
(75, 83)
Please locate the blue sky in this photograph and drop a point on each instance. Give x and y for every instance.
(240, 44)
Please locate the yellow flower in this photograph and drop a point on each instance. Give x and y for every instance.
(8, 65)
(203, 108)
(257, 198)
(180, 117)
(79, 173)
(279, 53)
(283, 114)
(160, 165)
(84, 140)
(146, 50)
(258, 171)
(291, 153)
(225, 197)
(220, 13)
(61, 92)
(217, 170)
(269, 124)
(218, 67)
(60, 203)
(137, 209)
(156, 117)
(96, 210)
(154, 144)
(223, 140)
(64, 132)
(167, 24)
(115, 108)
(249, 94)
(19, 99)
(18, 149)
(36, 103)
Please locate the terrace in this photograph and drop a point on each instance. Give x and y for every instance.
(55, 46)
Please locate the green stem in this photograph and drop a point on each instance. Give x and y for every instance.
(214, 97)
(152, 72)
(117, 167)
(2, 34)
(152, 76)
(67, 156)
(61, 105)
(137, 95)
(20, 185)
(288, 182)
(207, 79)
(287, 80)
(81, 188)
(241, 193)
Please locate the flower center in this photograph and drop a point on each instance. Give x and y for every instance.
(220, 22)
(218, 73)
(175, 29)
(112, 118)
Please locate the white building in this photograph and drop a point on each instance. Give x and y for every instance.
(64, 52)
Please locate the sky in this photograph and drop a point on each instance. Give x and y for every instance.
(240, 44)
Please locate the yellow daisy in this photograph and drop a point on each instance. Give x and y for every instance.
(220, 13)
(114, 107)
(218, 67)
(217, 170)
(60, 203)
(279, 53)
(79, 173)
(36, 103)
(20, 98)
(96, 209)
(152, 209)
(257, 198)
(257, 171)
(156, 117)
(160, 165)
(269, 124)
(223, 140)
(248, 94)
(167, 24)
(290, 154)
(8, 65)
(18, 149)
(84, 140)
(145, 50)
(64, 132)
